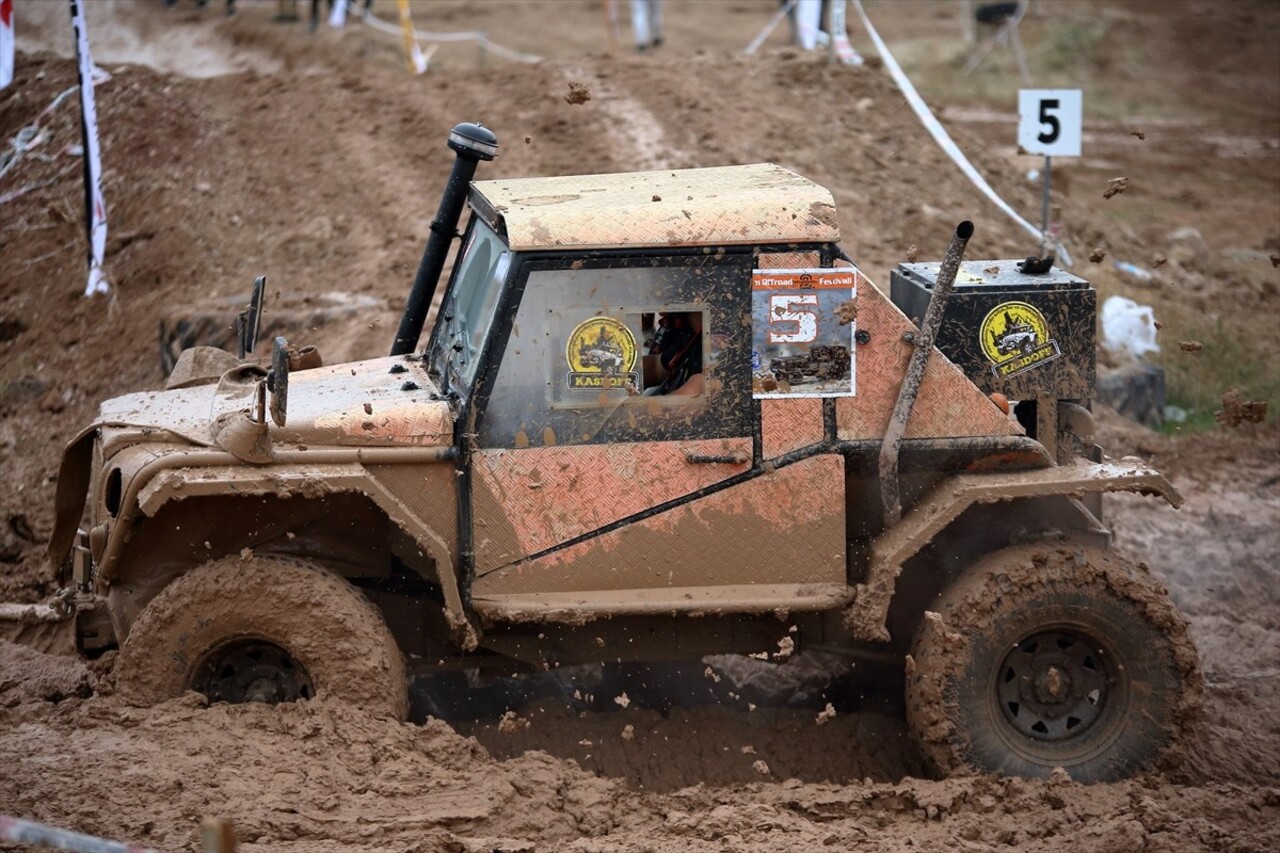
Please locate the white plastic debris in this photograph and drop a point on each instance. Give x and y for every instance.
(1134, 271)
(1128, 326)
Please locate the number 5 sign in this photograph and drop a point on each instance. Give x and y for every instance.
(1049, 122)
(802, 325)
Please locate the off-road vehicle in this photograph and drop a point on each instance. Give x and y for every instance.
(516, 492)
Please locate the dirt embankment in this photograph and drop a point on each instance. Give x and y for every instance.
(320, 166)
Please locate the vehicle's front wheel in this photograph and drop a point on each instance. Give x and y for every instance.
(1049, 656)
(265, 629)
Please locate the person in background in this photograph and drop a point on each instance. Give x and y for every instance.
(314, 23)
(646, 21)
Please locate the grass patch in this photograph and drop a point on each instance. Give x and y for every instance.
(1068, 44)
(1230, 358)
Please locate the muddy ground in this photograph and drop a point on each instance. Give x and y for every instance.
(240, 146)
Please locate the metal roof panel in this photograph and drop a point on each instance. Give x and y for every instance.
(725, 205)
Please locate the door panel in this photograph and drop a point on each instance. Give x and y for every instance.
(582, 484)
(783, 530)
(526, 501)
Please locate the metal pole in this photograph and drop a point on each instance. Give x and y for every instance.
(1044, 203)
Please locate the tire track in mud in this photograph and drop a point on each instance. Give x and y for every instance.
(1227, 585)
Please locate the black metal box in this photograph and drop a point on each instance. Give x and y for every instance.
(1025, 336)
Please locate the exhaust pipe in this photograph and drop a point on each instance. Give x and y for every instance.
(473, 143)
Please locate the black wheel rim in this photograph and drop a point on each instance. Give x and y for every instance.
(252, 671)
(1055, 685)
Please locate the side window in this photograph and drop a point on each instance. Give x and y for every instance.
(625, 352)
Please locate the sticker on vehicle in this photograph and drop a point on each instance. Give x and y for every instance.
(602, 355)
(1015, 338)
(803, 323)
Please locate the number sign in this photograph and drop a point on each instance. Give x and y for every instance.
(802, 341)
(1049, 121)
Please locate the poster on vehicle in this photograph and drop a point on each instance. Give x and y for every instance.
(802, 332)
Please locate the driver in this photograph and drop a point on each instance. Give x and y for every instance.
(679, 350)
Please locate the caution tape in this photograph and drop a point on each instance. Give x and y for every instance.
(445, 38)
(31, 136)
(6, 42)
(95, 204)
(948, 145)
(30, 832)
(783, 10)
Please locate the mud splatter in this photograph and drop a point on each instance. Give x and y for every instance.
(1114, 187)
(578, 93)
(1236, 410)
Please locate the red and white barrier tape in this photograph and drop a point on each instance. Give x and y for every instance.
(6, 42)
(95, 204)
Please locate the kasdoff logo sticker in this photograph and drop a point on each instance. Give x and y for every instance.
(602, 355)
(1015, 337)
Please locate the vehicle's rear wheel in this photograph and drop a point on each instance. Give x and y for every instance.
(266, 629)
(1051, 656)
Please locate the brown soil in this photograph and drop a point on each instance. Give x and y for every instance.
(320, 164)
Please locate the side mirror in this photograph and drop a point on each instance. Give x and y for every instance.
(278, 380)
(249, 321)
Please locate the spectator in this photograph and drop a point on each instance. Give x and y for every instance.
(646, 20)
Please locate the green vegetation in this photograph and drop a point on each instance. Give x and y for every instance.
(1229, 358)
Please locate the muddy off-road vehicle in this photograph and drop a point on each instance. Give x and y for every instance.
(530, 487)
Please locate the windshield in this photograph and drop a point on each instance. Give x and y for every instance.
(466, 316)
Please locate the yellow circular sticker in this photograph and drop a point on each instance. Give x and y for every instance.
(1015, 337)
(598, 348)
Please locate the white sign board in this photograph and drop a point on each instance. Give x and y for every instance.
(1050, 121)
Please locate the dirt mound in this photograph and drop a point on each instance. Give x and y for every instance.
(320, 163)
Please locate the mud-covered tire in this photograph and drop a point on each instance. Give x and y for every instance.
(1045, 656)
(318, 619)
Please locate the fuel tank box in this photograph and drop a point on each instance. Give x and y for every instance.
(1025, 336)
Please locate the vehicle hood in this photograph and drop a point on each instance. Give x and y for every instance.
(353, 404)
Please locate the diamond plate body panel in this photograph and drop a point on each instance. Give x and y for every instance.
(787, 425)
(787, 260)
(722, 206)
(948, 405)
(526, 501)
(784, 527)
(429, 492)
